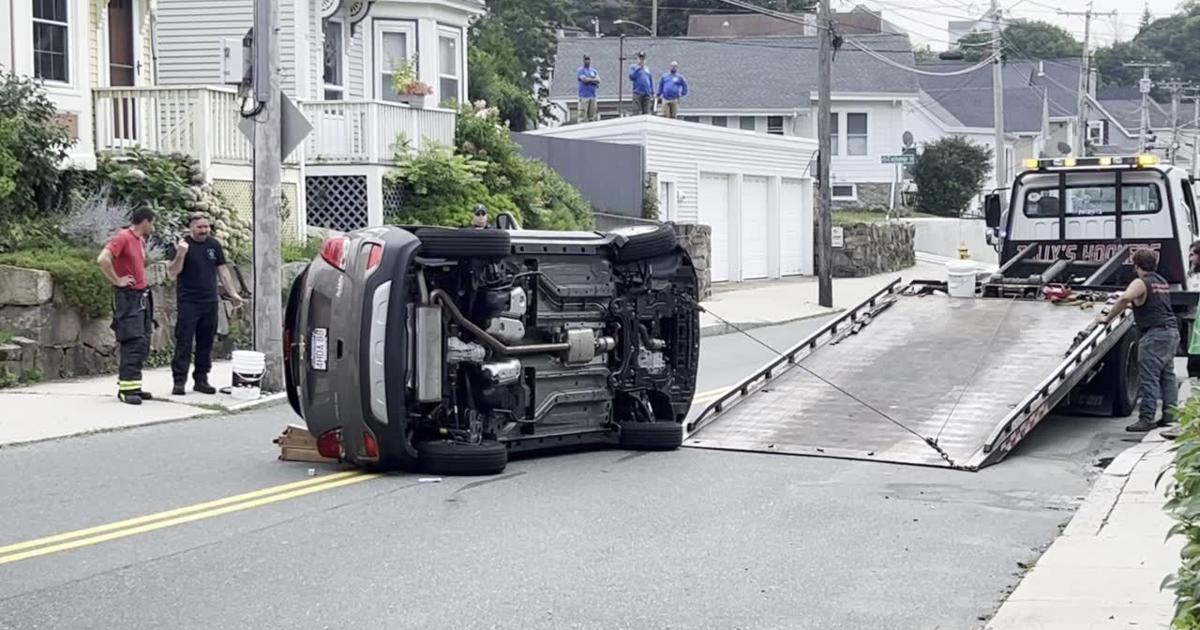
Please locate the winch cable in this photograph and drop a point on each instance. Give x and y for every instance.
(927, 441)
(978, 363)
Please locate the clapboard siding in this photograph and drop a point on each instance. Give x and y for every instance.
(190, 33)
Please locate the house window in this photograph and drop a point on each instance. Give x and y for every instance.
(334, 73)
(1095, 132)
(856, 134)
(844, 192)
(747, 123)
(691, 119)
(449, 65)
(393, 46)
(775, 125)
(833, 133)
(720, 121)
(51, 40)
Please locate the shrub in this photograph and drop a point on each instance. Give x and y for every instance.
(174, 186)
(948, 174)
(83, 285)
(32, 146)
(302, 252)
(1184, 507)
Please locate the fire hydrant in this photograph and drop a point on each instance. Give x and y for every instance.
(963, 254)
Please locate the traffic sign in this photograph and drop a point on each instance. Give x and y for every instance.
(898, 159)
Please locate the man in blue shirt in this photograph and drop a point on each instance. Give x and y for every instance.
(588, 79)
(643, 86)
(671, 87)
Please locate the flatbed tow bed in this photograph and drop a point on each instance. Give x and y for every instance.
(914, 376)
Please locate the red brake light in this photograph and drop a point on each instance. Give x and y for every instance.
(330, 444)
(370, 446)
(374, 257)
(334, 251)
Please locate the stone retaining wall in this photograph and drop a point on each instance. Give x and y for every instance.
(874, 248)
(51, 340)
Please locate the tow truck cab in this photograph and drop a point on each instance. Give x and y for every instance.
(1092, 214)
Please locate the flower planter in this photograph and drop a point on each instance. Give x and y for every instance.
(414, 100)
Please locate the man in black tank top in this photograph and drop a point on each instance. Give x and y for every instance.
(1158, 330)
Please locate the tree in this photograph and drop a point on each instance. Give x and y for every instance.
(1110, 63)
(949, 173)
(1024, 39)
(36, 140)
(1147, 18)
(495, 75)
(1169, 39)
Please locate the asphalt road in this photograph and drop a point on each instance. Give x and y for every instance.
(604, 539)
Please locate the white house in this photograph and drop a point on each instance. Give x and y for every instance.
(754, 190)
(768, 85)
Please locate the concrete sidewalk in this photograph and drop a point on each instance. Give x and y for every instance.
(1104, 571)
(761, 303)
(64, 408)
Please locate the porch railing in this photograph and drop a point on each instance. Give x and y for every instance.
(203, 122)
(369, 131)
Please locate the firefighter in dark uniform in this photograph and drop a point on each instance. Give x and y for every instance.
(198, 265)
(123, 261)
(1149, 295)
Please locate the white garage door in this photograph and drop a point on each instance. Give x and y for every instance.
(754, 227)
(791, 237)
(714, 212)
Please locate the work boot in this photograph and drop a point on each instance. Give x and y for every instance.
(129, 398)
(144, 395)
(1140, 426)
(177, 390)
(1171, 433)
(204, 388)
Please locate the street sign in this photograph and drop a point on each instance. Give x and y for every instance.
(294, 127)
(898, 159)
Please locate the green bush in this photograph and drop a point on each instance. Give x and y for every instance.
(302, 252)
(75, 272)
(948, 174)
(33, 143)
(1184, 507)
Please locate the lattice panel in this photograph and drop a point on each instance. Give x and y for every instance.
(393, 200)
(240, 195)
(337, 202)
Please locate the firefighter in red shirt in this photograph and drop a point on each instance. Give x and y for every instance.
(123, 262)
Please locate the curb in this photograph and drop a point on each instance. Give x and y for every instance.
(721, 328)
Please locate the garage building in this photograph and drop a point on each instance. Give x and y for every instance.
(754, 190)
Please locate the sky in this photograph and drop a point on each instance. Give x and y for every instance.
(926, 20)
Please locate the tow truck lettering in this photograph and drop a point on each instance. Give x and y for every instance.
(1085, 252)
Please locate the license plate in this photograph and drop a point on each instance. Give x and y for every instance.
(319, 352)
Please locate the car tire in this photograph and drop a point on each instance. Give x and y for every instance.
(645, 241)
(651, 436)
(439, 242)
(1121, 375)
(446, 457)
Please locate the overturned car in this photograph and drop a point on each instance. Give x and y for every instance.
(445, 350)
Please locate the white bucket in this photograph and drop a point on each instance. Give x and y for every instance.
(248, 369)
(960, 278)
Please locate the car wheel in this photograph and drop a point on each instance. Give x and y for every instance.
(651, 436)
(446, 457)
(465, 243)
(1121, 375)
(645, 241)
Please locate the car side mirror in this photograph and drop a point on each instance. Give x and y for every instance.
(991, 210)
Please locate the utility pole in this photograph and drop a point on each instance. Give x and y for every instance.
(1175, 88)
(653, 18)
(1144, 86)
(998, 98)
(1195, 98)
(824, 235)
(268, 164)
(1085, 62)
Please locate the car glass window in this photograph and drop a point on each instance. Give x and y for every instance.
(1041, 203)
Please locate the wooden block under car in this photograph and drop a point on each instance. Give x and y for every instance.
(296, 444)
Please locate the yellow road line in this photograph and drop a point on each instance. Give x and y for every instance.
(287, 488)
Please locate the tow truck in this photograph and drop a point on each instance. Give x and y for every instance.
(914, 375)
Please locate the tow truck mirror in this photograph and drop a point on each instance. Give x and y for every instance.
(991, 210)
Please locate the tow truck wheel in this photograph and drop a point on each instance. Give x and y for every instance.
(1121, 375)
(651, 436)
(447, 457)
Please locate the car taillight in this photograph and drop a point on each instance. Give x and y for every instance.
(374, 257)
(330, 444)
(370, 446)
(334, 251)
